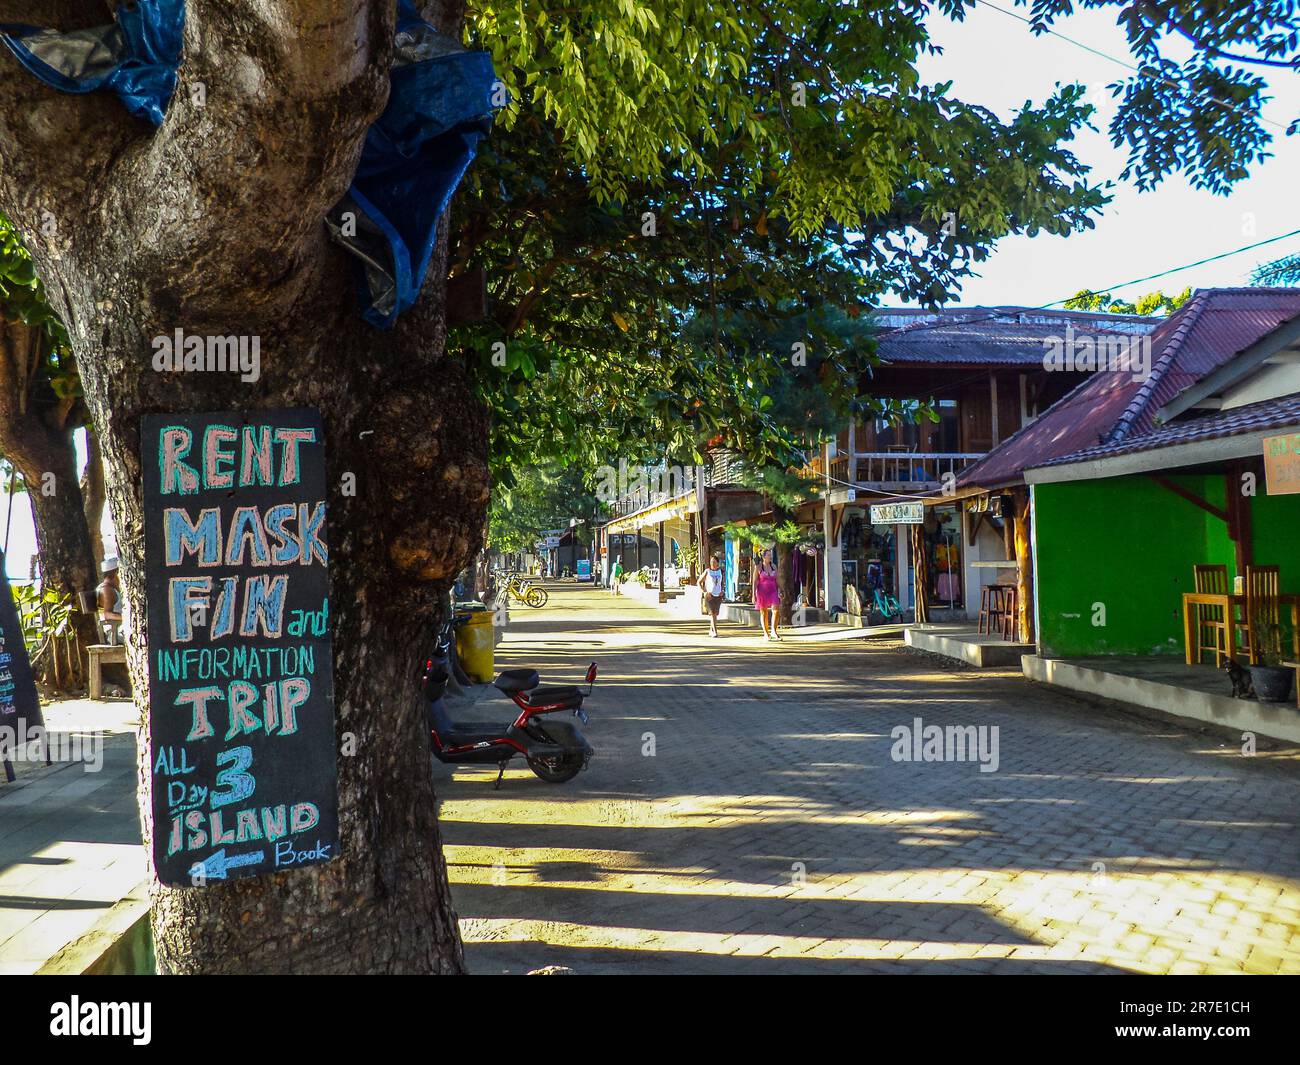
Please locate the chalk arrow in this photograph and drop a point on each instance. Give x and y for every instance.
(216, 865)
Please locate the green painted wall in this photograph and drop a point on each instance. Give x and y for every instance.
(1276, 542)
(1129, 545)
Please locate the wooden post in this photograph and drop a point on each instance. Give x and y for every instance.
(1238, 507)
(993, 415)
(695, 543)
(920, 576)
(703, 490)
(663, 561)
(1024, 568)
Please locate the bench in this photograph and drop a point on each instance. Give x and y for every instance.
(99, 654)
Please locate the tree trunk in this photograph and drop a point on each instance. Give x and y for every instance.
(214, 224)
(92, 495)
(784, 570)
(35, 438)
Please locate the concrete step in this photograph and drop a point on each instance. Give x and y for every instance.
(982, 650)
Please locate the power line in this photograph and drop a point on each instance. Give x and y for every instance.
(1127, 66)
(1000, 312)
(1178, 269)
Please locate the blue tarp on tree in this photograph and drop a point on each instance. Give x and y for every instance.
(415, 154)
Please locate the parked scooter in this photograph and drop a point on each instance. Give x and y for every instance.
(554, 748)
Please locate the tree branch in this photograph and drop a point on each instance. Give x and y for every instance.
(57, 149)
(267, 122)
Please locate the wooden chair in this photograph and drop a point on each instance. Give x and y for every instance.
(1211, 580)
(1262, 585)
(1295, 661)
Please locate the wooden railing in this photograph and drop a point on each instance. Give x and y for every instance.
(901, 467)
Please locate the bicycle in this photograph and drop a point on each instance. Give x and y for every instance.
(518, 588)
(882, 602)
(885, 604)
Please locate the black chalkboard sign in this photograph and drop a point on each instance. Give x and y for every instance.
(20, 705)
(241, 699)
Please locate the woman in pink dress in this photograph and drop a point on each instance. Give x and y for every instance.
(766, 595)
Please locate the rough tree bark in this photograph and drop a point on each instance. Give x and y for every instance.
(36, 436)
(213, 223)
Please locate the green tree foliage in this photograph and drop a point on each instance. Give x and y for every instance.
(1153, 304)
(1193, 105)
(656, 167)
(23, 302)
(1280, 273)
(540, 498)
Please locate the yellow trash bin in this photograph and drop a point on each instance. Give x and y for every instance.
(474, 646)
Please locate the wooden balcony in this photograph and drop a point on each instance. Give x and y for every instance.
(899, 470)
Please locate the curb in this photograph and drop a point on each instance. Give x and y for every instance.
(120, 943)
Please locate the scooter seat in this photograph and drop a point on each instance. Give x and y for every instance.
(517, 680)
(468, 733)
(567, 695)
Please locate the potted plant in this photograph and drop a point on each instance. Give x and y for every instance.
(1271, 679)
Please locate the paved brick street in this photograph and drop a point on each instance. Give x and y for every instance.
(771, 831)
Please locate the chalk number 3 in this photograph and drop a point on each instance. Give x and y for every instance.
(234, 782)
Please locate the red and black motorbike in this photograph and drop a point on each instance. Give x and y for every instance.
(553, 747)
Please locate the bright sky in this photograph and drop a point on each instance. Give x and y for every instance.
(995, 61)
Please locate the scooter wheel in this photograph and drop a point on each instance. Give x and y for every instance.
(557, 770)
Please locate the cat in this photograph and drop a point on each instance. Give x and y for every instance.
(1242, 687)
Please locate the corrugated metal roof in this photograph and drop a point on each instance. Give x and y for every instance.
(1251, 418)
(1207, 331)
(989, 336)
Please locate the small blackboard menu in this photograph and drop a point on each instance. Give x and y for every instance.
(20, 705)
(241, 700)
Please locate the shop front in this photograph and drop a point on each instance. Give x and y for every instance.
(941, 547)
(868, 559)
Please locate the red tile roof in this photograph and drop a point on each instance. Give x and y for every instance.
(1207, 331)
(1251, 418)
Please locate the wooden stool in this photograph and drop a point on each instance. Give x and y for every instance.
(988, 608)
(1010, 613)
(992, 608)
(99, 654)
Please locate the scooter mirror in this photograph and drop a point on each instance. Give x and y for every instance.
(591, 676)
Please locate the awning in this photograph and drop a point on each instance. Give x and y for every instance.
(670, 509)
